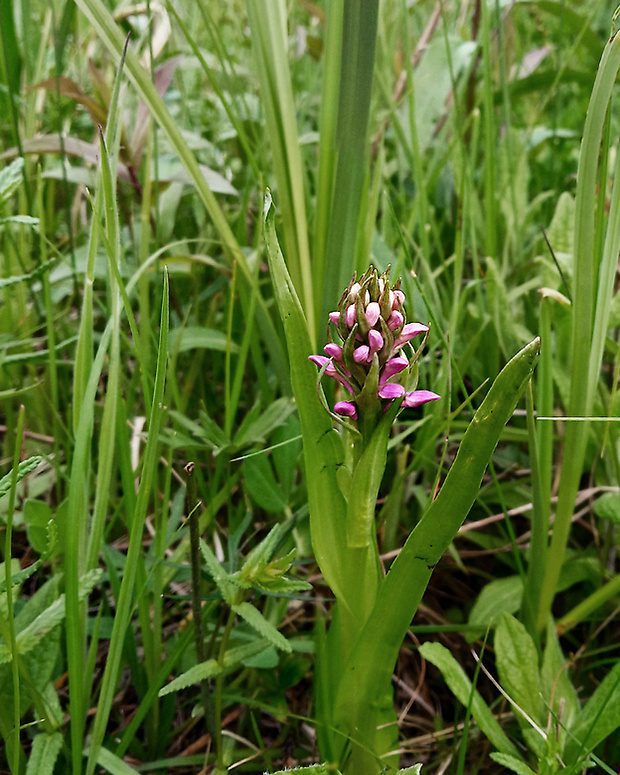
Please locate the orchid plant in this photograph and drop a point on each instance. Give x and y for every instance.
(367, 360)
(370, 355)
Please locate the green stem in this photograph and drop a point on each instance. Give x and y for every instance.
(195, 561)
(8, 573)
(219, 691)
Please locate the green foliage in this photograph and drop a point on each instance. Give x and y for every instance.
(437, 140)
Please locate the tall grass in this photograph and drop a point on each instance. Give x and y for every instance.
(140, 331)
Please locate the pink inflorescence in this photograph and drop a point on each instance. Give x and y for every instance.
(368, 360)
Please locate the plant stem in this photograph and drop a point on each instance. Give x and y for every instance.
(219, 690)
(9, 592)
(192, 504)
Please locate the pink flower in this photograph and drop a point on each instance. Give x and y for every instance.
(373, 312)
(395, 320)
(375, 340)
(366, 357)
(419, 397)
(361, 354)
(409, 331)
(392, 367)
(334, 317)
(346, 409)
(334, 351)
(391, 390)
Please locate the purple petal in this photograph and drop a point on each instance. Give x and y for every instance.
(349, 316)
(334, 317)
(409, 331)
(398, 300)
(375, 340)
(334, 351)
(361, 353)
(373, 312)
(320, 360)
(393, 366)
(395, 320)
(346, 409)
(391, 390)
(419, 397)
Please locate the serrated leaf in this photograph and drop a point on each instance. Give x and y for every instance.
(257, 621)
(232, 658)
(313, 769)
(43, 755)
(24, 468)
(223, 581)
(11, 178)
(20, 220)
(32, 635)
(263, 551)
(461, 687)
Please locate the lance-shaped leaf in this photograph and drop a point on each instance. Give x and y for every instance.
(368, 672)
(323, 446)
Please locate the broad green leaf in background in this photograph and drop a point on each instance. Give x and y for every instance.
(556, 685)
(496, 598)
(512, 763)
(517, 664)
(461, 687)
(44, 752)
(597, 719)
(261, 484)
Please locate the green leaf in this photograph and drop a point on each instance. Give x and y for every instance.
(323, 448)
(111, 763)
(404, 585)
(460, 685)
(233, 658)
(497, 597)
(20, 220)
(259, 429)
(44, 752)
(257, 621)
(608, 507)
(24, 468)
(37, 514)
(34, 275)
(11, 177)
(222, 580)
(556, 686)
(314, 769)
(33, 634)
(597, 720)
(517, 664)
(261, 484)
(266, 660)
(198, 338)
(512, 763)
